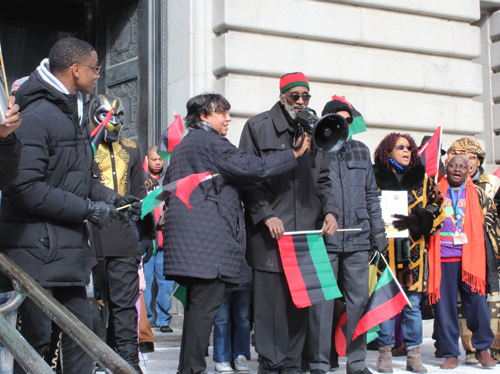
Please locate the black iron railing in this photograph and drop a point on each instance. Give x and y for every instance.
(25, 355)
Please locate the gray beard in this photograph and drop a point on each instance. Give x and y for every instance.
(290, 109)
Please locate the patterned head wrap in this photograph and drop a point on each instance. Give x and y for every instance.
(459, 151)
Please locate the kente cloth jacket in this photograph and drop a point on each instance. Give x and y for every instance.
(408, 256)
(301, 198)
(43, 210)
(356, 196)
(119, 166)
(209, 241)
(10, 153)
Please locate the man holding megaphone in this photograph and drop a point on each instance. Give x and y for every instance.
(289, 202)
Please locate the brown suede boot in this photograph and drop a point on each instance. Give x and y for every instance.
(384, 359)
(485, 359)
(414, 361)
(450, 363)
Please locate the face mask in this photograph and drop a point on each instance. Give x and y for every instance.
(99, 108)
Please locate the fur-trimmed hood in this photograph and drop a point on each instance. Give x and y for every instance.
(413, 177)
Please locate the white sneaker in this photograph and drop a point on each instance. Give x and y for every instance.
(241, 364)
(223, 368)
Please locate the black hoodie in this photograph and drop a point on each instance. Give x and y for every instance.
(43, 209)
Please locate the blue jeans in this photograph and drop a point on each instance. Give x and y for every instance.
(411, 324)
(154, 267)
(239, 302)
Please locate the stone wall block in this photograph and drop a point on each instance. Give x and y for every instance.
(305, 19)
(466, 39)
(496, 118)
(453, 76)
(178, 13)
(468, 10)
(495, 87)
(495, 26)
(406, 32)
(496, 142)
(495, 56)
(348, 24)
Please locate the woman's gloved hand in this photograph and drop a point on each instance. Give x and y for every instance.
(406, 222)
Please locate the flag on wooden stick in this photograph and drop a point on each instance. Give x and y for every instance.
(307, 268)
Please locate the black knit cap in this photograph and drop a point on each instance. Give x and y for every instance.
(335, 106)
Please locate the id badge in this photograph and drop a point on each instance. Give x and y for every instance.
(460, 238)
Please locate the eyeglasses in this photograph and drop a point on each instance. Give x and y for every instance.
(296, 97)
(459, 167)
(401, 147)
(225, 113)
(96, 69)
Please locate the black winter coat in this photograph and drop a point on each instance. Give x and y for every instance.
(41, 220)
(300, 197)
(10, 153)
(209, 241)
(356, 196)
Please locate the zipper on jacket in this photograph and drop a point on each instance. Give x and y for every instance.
(113, 168)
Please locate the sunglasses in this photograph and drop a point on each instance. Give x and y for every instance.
(401, 147)
(295, 97)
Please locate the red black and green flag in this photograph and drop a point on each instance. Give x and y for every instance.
(387, 300)
(181, 188)
(358, 123)
(430, 154)
(307, 268)
(340, 334)
(97, 134)
(170, 138)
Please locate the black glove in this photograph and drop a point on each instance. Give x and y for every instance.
(101, 214)
(378, 243)
(406, 222)
(119, 200)
(148, 247)
(133, 212)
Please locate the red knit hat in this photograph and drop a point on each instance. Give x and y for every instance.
(290, 80)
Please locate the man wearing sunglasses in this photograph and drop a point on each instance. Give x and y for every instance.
(356, 196)
(286, 203)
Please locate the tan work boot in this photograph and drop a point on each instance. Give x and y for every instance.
(414, 361)
(485, 359)
(450, 363)
(384, 359)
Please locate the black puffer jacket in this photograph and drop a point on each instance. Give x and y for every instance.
(10, 153)
(356, 195)
(209, 241)
(41, 220)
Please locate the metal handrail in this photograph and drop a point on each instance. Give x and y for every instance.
(81, 334)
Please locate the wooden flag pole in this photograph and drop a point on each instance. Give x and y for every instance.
(126, 206)
(436, 177)
(3, 72)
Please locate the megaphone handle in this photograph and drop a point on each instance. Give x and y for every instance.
(300, 134)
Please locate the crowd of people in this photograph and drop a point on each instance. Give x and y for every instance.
(62, 222)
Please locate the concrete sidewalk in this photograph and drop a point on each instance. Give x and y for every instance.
(165, 358)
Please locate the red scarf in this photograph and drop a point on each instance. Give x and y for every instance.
(473, 252)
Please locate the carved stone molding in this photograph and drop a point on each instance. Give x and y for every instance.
(128, 93)
(123, 33)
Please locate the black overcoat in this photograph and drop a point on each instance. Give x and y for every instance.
(300, 197)
(43, 209)
(10, 153)
(209, 241)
